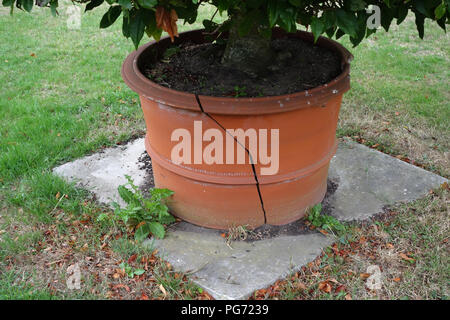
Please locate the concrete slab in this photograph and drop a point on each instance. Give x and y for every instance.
(235, 271)
(101, 173)
(367, 181)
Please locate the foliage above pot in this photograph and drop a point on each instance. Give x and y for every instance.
(332, 17)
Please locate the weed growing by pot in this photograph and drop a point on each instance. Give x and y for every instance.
(237, 233)
(325, 222)
(130, 271)
(143, 215)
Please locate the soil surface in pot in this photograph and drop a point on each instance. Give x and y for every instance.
(196, 68)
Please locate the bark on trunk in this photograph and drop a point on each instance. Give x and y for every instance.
(250, 53)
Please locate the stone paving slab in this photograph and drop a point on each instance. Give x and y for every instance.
(367, 180)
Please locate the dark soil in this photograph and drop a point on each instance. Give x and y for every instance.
(196, 68)
(145, 163)
(294, 228)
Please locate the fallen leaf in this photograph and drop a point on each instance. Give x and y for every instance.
(163, 290)
(144, 296)
(301, 286)
(325, 286)
(364, 275)
(340, 288)
(405, 257)
(116, 275)
(85, 247)
(132, 258)
(121, 286)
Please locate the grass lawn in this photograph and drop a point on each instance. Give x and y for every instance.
(62, 97)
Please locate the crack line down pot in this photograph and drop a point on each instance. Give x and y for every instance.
(222, 195)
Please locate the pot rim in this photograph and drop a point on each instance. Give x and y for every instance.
(317, 96)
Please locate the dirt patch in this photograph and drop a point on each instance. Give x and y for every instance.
(196, 68)
(295, 228)
(145, 163)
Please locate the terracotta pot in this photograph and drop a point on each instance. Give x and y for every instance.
(225, 195)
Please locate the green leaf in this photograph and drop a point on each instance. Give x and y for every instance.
(110, 16)
(53, 6)
(126, 26)
(158, 194)
(27, 5)
(362, 27)
(346, 22)
(440, 10)
(317, 28)
(387, 15)
(102, 217)
(137, 28)
(420, 19)
(167, 219)
(138, 272)
(339, 33)
(170, 52)
(157, 229)
(421, 7)
(441, 23)
(357, 5)
(148, 4)
(128, 196)
(209, 25)
(296, 3)
(8, 3)
(402, 12)
(93, 4)
(273, 12)
(288, 19)
(127, 4)
(330, 32)
(141, 233)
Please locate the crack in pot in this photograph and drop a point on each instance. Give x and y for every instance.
(243, 146)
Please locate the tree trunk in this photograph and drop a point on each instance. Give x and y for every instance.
(250, 53)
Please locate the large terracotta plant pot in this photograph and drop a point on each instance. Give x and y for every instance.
(225, 195)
